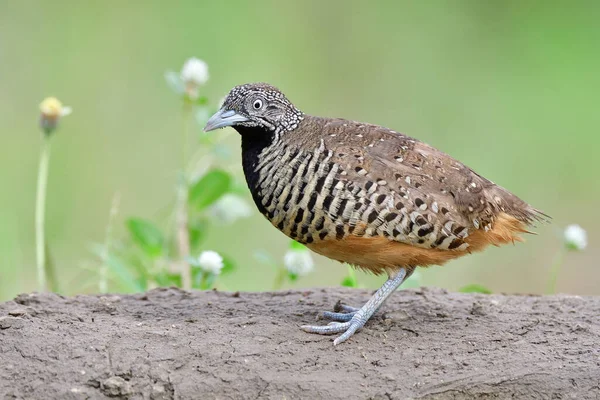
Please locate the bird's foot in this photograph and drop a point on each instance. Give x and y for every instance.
(355, 321)
(349, 319)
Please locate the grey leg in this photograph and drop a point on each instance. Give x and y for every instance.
(356, 319)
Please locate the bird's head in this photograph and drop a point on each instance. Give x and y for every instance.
(256, 105)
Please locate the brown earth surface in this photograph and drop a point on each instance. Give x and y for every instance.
(171, 344)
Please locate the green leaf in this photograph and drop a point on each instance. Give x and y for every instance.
(239, 188)
(146, 235)
(202, 100)
(228, 265)
(197, 229)
(164, 278)
(120, 271)
(209, 188)
(297, 246)
(134, 261)
(475, 288)
(350, 281)
(292, 277)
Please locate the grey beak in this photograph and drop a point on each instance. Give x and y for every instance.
(223, 118)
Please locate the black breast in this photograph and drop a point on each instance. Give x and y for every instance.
(254, 141)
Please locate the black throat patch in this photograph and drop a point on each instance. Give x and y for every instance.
(254, 141)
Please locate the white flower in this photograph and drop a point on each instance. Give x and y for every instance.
(195, 71)
(230, 208)
(575, 237)
(194, 74)
(210, 261)
(298, 262)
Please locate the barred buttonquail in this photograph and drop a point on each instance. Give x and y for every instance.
(363, 194)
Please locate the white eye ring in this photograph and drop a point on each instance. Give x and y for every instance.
(257, 104)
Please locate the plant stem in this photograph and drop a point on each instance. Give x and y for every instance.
(186, 114)
(183, 237)
(114, 209)
(279, 279)
(40, 208)
(554, 271)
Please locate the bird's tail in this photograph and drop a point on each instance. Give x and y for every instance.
(519, 209)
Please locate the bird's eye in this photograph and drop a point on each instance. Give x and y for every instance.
(257, 104)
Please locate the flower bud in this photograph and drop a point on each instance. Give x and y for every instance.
(52, 110)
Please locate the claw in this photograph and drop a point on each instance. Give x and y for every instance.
(353, 319)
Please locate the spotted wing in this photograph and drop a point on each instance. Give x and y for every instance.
(408, 191)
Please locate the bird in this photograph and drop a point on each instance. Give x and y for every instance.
(363, 194)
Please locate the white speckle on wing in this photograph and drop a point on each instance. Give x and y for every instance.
(322, 146)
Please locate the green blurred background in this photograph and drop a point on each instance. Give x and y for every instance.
(510, 88)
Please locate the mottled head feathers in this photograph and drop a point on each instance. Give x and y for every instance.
(260, 105)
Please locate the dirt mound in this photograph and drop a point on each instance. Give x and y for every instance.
(170, 344)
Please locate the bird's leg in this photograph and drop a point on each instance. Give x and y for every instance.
(356, 319)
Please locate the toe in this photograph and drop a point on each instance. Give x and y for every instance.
(355, 324)
(333, 327)
(346, 335)
(339, 307)
(336, 316)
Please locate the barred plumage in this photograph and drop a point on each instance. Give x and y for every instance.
(364, 194)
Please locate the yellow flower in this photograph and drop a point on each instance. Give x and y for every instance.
(52, 110)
